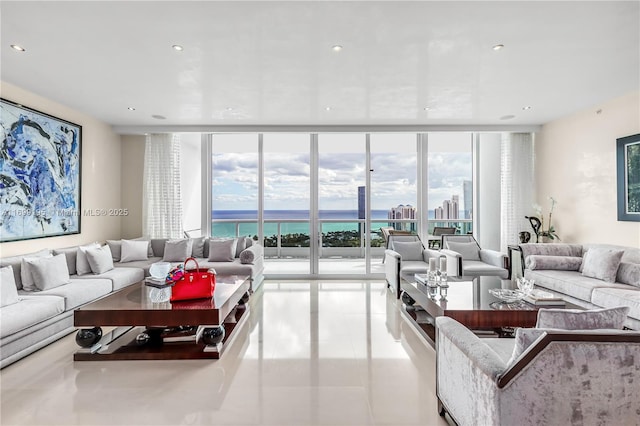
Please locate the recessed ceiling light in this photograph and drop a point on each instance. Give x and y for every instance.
(18, 48)
(229, 109)
(427, 108)
(526, 108)
(498, 46)
(131, 108)
(337, 48)
(177, 47)
(158, 117)
(328, 108)
(507, 117)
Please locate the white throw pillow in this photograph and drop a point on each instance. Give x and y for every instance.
(133, 250)
(8, 289)
(577, 319)
(50, 272)
(468, 251)
(409, 250)
(25, 271)
(82, 264)
(100, 259)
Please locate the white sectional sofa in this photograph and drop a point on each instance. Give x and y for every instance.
(590, 275)
(38, 318)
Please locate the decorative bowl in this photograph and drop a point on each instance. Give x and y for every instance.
(159, 270)
(507, 295)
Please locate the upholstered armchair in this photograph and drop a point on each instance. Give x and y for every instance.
(564, 377)
(406, 255)
(466, 257)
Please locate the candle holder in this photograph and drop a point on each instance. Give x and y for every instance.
(432, 288)
(444, 289)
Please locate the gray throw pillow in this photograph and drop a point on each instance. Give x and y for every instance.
(468, 251)
(561, 263)
(197, 246)
(247, 257)
(50, 272)
(25, 269)
(115, 246)
(576, 319)
(524, 338)
(8, 288)
(100, 259)
(82, 264)
(629, 273)
(177, 250)
(241, 244)
(222, 250)
(602, 263)
(409, 250)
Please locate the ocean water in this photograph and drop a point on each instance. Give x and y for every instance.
(228, 229)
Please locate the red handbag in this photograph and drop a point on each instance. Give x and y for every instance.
(194, 284)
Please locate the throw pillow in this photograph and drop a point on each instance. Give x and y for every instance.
(241, 244)
(222, 250)
(149, 248)
(100, 259)
(177, 250)
(25, 269)
(8, 288)
(133, 250)
(115, 246)
(50, 272)
(468, 251)
(197, 246)
(575, 319)
(247, 257)
(409, 250)
(629, 273)
(561, 263)
(525, 337)
(602, 263)
(72, 257)
(82, 264)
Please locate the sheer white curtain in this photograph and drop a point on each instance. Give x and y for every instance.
(162, 202)
(517, 186)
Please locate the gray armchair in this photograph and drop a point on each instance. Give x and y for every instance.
(466, 257)
(564, 377)
(406, 255)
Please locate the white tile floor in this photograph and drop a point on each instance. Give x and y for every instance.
(313, 353)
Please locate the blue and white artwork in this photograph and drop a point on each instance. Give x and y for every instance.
(39, 174)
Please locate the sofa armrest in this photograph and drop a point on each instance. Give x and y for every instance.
(429, 253)
(392, 270)
(495, 258)
(249, 255)
(454, 262)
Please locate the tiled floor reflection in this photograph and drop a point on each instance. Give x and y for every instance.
(313, 353)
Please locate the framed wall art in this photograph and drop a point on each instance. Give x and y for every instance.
(40, 171)
(628, 155)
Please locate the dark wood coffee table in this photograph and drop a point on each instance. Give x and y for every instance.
(149, 327)
(469, 302)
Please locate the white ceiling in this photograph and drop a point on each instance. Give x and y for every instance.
(272, 63)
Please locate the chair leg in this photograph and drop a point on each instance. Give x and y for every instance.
(441, 409)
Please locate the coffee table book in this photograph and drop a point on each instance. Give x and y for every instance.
(539, 297)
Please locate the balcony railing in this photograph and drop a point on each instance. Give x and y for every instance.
(289, 238)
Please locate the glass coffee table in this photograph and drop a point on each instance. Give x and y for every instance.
(469, 302)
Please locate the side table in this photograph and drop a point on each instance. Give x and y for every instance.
(510, 250)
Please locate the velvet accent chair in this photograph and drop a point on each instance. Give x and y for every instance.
(405, 255)
(564, 377)
(465, 257)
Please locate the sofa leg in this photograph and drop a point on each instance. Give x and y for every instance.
(441, 409)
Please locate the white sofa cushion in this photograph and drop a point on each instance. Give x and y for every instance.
(409, 250)
(602, 263)
(577, 319)
(177, 250)
(628, 296)
(25, 269)
(82, 264)
(100, 259)
(29, 311)
(222, 250)
(468, 251)
(80, 291)
(132, 250)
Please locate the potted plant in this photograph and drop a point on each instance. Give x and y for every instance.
(537, 223)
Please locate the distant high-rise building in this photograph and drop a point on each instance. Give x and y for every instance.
(402, 212)
(450, 208)
(467, 190)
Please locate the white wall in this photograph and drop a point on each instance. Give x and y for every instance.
(100, 175)
(488, 191)
(576, 164)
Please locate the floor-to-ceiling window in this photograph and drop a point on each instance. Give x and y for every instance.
(317, 202)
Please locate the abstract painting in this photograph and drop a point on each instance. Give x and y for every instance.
(39, 174)
(628, 154)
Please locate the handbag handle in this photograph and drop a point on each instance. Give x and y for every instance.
(194, 261)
